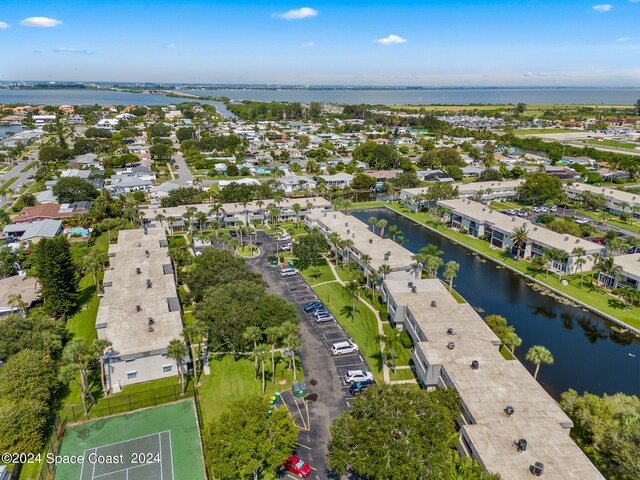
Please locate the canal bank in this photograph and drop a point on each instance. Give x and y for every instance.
(589, 354)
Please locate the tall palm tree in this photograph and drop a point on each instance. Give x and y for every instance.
(170, 221)
(381, 225)
(365, 258)
(260, 204)
(101, 346)
(344, 245)
(253, 334)
(520, 235)
(392, 343)
(216, 210)
(273, 334)
(450, 272)
(292, 343)
(384, 270)
(201, 218)
(580, 259)
(260, 353)
(608, 268)
(334, 241)
(176, 350)
(159, 218)
(537, 355)
(296, 208)
(393, 231)
(373, 221)
(350, 290)
(92, 264)
(189, 215)
(192, 333)
(512, 341)
(16, 299)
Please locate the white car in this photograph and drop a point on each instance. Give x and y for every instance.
(286, 247)
(582, 221)
(342, 348)
(358, 376)
(288, 272)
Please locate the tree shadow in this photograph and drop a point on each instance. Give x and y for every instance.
(617, 304)
(85, 297)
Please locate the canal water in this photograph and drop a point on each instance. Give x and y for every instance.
(589, 355)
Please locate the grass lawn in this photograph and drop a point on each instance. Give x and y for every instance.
(177, 241)
(403, 355)
(231, 381)
(188, 318)
(319, 274)
(292, 230)
(83, 323)
(248, 251)
(372, 203)
(613, 143)
(363, 330)
(10, 182)
(601, 301)
(27, 167)
(531, 131)
(402, 374)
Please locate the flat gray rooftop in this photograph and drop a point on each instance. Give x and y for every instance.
(125, 288)
(486, 391)
(630, 264)
(364, 240)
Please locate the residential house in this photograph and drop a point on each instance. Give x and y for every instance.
(25, 287)
(33, 232)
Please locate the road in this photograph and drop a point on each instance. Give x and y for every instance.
(16, 172)
(184, 174)
(570, 213)
(328, 396)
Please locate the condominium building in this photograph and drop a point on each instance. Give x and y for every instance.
(508, 423)
(139, 311)
(497, 228)
(628, 274)
(233, 214)
(617, 200)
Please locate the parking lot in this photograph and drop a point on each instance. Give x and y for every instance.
(328, 394)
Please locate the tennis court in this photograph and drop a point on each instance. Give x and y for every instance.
(159, 443)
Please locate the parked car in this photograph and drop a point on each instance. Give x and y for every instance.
(30, 176)
(582, 221)
(288, 272)
(311, 306)
(342, 348)
(359, 387)
(286, 247)
(325, 318)
(600, 240)
(553, 209)
(319, 312)
(358, 376)
(298, 466)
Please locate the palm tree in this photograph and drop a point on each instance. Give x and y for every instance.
(393, 231)
(273, 334)
(350, 290)
(384, 270)
(520, 235)
(216, 210)
(579, 255)
(159, 218)
(292, 342)
(381, 225)
(366, 261)
(92, 264)
(511, 340)
(16, 299)
(253, 334)
(188, 215)
(618, 244)
(607, 268)
(334, 241)
(296, 208)
(101, 345)
(201, 218)
(192, 333)
(450, 272)
(373, 221)
(176, 350)
(260, 203)
(170, 221)
(260, 353)
(344, 244)
(537, 355)
(392, 343)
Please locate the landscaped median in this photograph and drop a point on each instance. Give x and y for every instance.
(600, 300)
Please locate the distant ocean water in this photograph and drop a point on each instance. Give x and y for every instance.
(448, 96)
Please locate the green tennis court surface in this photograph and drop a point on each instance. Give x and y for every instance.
(159, 443)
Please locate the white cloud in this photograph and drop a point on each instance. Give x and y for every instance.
(634, 1)
(623, 39)
(296, 14)
(77, 51)
(3, 25)
(603, 8)
(535, 74)
(308, 44)
(43, 22)
(390, 40)
(170, 45)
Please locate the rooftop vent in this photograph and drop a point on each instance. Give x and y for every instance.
(434, 304)
(513, 219)
(566, 239)
(410, 284)
(150, 329)
(146, 232)
(334, 216)
(475, 365)
(450, 331)
(535, 229)
(386, 256)
(348, 231)
(139, 244)
(577, 240)
(138, 271)
(354, 235)
(149, 284)
(371, 240)
(414, 289)
(138, 308)
(146, 252)
(150, 321)
(521, 445)
(451, 345)
(346, 224)
(509, 410)
(324, 214)
(537, 469)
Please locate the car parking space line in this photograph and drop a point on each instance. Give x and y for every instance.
(352, 365)
(303, 446)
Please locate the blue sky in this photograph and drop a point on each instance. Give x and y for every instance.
(400, 42)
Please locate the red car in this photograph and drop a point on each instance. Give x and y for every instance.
(296, 465)
(600, 240)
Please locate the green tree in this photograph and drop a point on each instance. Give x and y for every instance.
(450, 272)
(382, 225)
(539, 188)
(246, 442)
(512, 341)
(350, 291)
(308, 249)
(92, 264)
(392, 344)
(260, 352)
(396, 432)
(56, 272)
(361, 181)
(193, 333)
(78, 357)
(253, 334)
(520, 235)
(537, 355)
(15, 299)
(74, 189)
(292, 343)
(176, 351)
(101, 346)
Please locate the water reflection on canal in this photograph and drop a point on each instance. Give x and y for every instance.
(589, 355)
